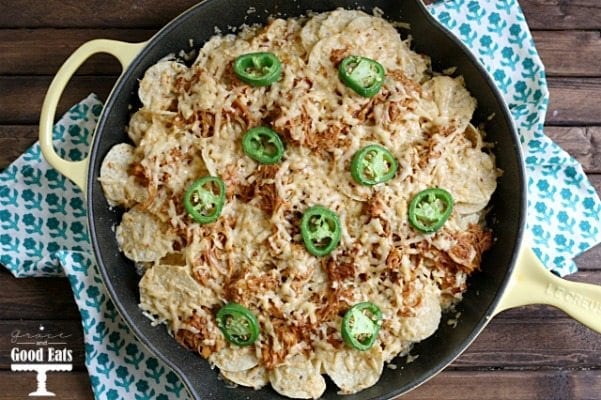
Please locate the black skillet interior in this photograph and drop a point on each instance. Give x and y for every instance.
(486, 288)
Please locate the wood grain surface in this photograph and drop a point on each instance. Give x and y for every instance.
(535, 352)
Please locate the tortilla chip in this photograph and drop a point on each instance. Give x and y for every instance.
(353, 370)
(142, 238)
(139, 123)
(119, 188)
(298, 378)
(256, 377)
(427, 316)
(155, 86)
(455, 104)
(235, 358)
(171, 294)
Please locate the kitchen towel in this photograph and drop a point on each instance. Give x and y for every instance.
(43, 217)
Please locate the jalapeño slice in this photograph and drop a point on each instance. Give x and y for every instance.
(238, 324)
(360, 325)
(205, 198)
(429, 209)
(258, 69)
(373, 164)
(320, 229)
(263, 145)
(364, 75)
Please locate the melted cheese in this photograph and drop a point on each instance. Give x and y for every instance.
(191, 125)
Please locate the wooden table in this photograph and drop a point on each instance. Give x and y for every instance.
(530, 353)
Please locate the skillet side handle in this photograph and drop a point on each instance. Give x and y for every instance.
(531, 283)
(122, 51)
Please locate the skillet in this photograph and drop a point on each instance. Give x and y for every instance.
(511, 275)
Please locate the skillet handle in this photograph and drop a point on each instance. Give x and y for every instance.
(122, 51)
(531, 283)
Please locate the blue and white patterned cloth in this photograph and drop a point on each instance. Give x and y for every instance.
(43, 220)
(563, 207)
(43, 232)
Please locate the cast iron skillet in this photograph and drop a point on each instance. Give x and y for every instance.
(486, 289)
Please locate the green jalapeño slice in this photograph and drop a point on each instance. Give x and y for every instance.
(258, 69)
(360, 325)
(320, 229)
(263, 145)
(238, 324)
(205, 198)
(373, 164)
(364, 75)
(429, 209)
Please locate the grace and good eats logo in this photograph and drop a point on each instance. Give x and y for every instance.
(40, 352)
